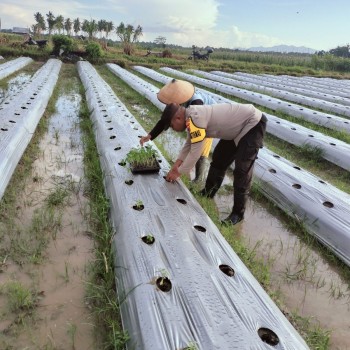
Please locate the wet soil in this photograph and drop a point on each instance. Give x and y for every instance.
(300, 276)
(304, 281)
(14, 86)
(61, 318)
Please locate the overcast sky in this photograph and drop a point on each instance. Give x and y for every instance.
(316, 24)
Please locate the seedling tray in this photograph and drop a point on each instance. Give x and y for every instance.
(152, 167)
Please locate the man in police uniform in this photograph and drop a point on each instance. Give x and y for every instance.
(240, 128)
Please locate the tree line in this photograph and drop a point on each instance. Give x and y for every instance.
(127, 33)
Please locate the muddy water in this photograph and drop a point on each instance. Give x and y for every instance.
(306, 282)
(61, 319)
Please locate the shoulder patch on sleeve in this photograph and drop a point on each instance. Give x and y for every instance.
(197, 134)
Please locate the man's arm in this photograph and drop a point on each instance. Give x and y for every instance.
(158, 128)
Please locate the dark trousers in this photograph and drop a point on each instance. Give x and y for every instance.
(244, 154)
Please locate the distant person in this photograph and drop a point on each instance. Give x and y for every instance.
(183, 92)
(241, 130)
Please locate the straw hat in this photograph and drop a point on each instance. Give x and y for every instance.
(176, 91)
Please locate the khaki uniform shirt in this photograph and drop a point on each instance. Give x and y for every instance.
(225, 121)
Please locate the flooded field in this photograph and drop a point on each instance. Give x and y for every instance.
(306, 283)
(55, 267)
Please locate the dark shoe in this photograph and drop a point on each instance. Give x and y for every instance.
(233, 219)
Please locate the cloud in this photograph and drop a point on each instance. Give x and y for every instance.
(182, 22)
(230, 38)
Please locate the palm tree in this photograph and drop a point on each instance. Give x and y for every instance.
(109, 28)
(90, 27)
(50, 18)
(59, 23)
(40, 23)
(128, 35)
(68, 26)
(101, 25)
(76, 26)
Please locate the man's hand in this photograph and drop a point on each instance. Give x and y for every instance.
(173, 174)
(144, 139)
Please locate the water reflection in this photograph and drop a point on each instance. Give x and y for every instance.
(14, 86)
(306, 281)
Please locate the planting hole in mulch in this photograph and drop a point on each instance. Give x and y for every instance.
(112, 137)
(227, 270)
(122, 163)
(332, 144)
(297, 186)
(273, 171)
(164, 284)
(148, 239)
(321, 181)
(118, 148)
(276, 156)
(296, 167)
(138, 206)
(129, 182)
(110, 129)
(200, 228)
(182, 201)
(328, 204)
(268, 336)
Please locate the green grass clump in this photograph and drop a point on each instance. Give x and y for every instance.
(20, 298)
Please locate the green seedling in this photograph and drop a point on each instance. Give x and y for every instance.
(192, 345)
(143, 156)
(164, 274)
(72, 330)
(149, 238)
(19, 296)
(139, 204)
(56, 135)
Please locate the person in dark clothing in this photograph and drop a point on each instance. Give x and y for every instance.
(183, 92)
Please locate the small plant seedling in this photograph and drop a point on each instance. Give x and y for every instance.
(139, 204)
(142, 159)
(149, 239)
(192, 345)
(72, 330)
(164, 274)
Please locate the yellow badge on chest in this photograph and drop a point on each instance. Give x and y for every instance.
(197, 134)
